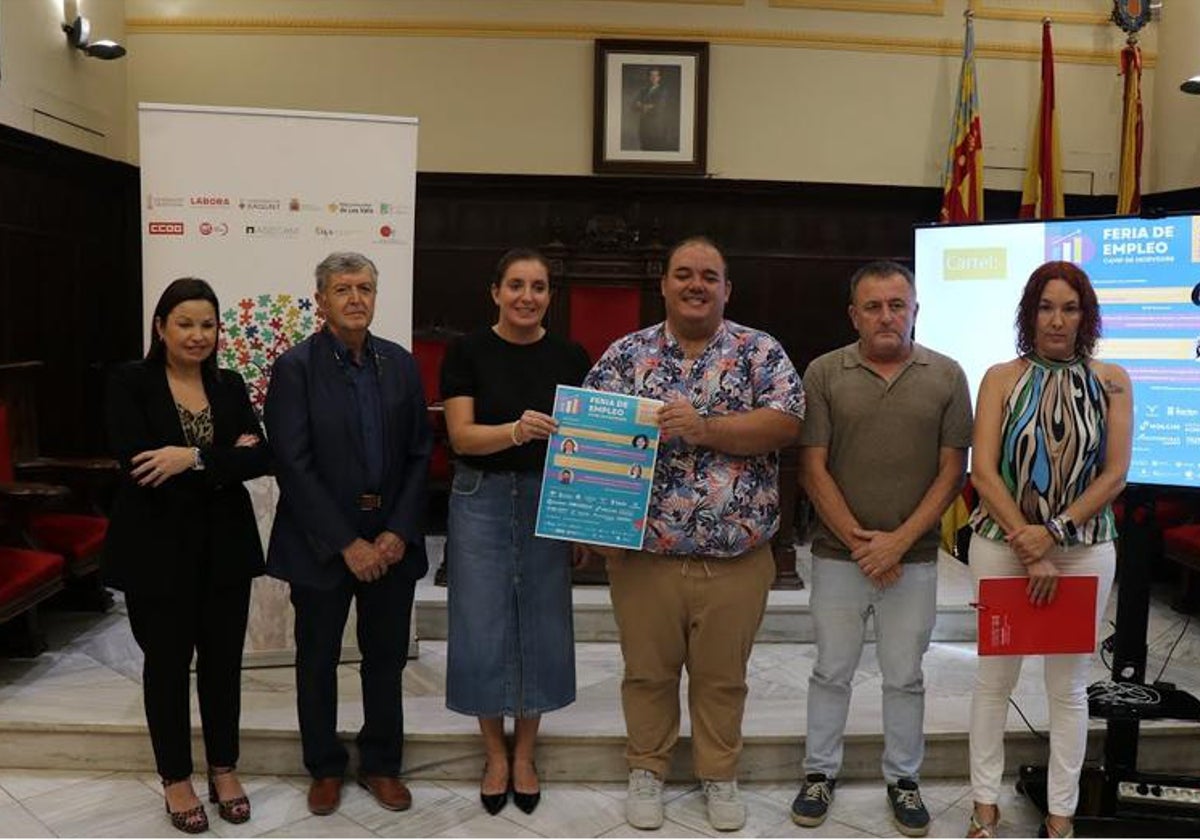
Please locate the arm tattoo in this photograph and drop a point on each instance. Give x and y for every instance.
(1113, 387)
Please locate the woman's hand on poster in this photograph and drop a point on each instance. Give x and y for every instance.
(533, 425)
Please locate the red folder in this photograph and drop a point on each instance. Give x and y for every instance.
(1009, 624)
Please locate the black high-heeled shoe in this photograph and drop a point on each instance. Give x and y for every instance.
(493, 803)
(192, 821)
(526, 801)
(236, 810)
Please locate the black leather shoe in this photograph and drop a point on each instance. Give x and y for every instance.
(493, 803)
(526, 801)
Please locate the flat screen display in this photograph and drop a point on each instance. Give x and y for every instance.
(1147, 277)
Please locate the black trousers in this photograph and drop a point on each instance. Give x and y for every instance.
(384, 609)
(209, 621)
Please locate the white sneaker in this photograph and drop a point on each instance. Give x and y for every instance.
(726, 811)
(643, 802)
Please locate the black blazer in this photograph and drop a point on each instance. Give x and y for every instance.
(160, 538)
(312, 420)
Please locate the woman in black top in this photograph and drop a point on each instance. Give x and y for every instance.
(183, 542)
(511, 650)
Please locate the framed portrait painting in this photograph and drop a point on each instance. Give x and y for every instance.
(651, 109)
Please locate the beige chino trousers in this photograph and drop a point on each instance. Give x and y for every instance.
(677, 611)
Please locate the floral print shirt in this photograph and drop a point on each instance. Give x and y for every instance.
(705, 502)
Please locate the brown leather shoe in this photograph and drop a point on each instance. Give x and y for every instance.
(324, 795)
(389, 791)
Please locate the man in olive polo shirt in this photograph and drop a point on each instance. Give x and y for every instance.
(884, 451)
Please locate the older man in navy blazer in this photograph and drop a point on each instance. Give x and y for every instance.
(345, 414)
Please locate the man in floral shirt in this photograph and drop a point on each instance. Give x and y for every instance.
(694, 596)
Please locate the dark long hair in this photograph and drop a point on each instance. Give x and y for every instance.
(1027, 311)
(516, 255)
(181, 291)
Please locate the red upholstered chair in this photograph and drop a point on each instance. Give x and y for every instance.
(1181, 545)
(26, 579)
(599, 315)
(33, 512)
(429, 350)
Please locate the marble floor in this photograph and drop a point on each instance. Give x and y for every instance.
(53, 803)
(57, 780)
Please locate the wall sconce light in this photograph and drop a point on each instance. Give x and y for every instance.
(79, 35)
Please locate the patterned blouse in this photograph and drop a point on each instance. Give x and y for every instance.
(1052, 446)
(707, 502)
(197, 427)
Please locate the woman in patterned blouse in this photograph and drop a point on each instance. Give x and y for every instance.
(1051, 449)
(183, 542)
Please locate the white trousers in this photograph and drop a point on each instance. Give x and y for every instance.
(1065, 676)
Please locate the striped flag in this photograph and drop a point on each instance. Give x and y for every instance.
(962, 201)
(1129, 181)
(962, 182)
(1042, 195)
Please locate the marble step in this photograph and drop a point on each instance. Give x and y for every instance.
(787, 619)
(67, 714)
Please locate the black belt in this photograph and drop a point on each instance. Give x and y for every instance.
(369, 501)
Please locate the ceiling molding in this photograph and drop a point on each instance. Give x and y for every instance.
(691, 2)
(894, 7)
(1032, 14)
(841, 41)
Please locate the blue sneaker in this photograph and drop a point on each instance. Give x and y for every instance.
(811, 805)
(908, 811)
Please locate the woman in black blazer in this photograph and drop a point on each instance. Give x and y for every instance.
(183, 543)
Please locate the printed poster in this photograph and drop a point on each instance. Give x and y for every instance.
(599, 468)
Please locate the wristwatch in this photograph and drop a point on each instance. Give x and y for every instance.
(197, 459)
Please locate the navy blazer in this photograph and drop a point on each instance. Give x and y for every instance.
(199, 524)
(312, 423)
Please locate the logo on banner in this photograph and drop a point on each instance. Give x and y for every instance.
(166, 228)
(267, 204)
(272, 231)
(352, 208)
(387, 233)
(153, 201)
(258, 330)
(1073, 247)
(209, 229)
(209, 201)
(328, 232)
(391, 208)
(296, 205)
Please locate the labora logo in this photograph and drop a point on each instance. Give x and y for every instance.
(166, 228)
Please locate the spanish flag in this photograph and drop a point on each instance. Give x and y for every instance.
(1042, 195)
(1129, 181)
(962, 182)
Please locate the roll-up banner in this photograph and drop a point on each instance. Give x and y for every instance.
(251, 200)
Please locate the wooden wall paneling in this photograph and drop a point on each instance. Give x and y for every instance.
(70, 278)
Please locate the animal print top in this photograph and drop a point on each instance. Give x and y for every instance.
(1052, 446)
(198, 426)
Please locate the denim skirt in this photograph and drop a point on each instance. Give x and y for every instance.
(511, 649)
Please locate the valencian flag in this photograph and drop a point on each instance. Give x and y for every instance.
(1042, 195)
(1129, 181)
(962, 183)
